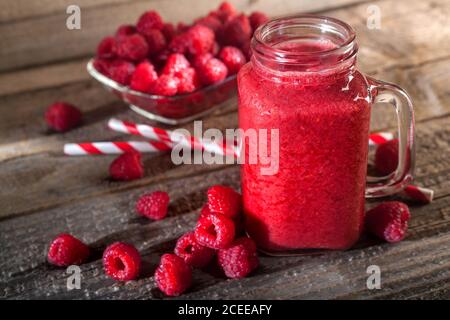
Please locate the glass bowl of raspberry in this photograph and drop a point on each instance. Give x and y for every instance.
(172, 110)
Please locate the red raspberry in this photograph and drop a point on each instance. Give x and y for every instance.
(67, 250)
(178, 44)
(175, 62)
(127, 166)
(102, 66)
(211, 22)
(388, 221)
(169, 31)
(156, 41)
(212, 71)
(166, 85)
(173, 276)
(226, 11)
(215, 49)
(215, 231)
(153, 205)
(239, 259)
(233, 58)
(257, 18)
(182, 27)
(201, 60)
(143, 77)
(247, 50)
(133, 48)
(200, 39)
(193, 253)
(121, 71)
(149, 20)
(160, 59)
(224, 200)
(61, 116)
(106, 48)
(237, 32)
(386, 157)
(188, 80)
(121, 261)
(125, 30)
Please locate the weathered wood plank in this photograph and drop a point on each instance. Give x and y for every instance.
(26, 42)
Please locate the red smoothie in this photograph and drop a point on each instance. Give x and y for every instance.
(322, 111)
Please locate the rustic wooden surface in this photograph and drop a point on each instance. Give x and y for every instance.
(43, 193)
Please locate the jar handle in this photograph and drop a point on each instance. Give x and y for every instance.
(383, 92)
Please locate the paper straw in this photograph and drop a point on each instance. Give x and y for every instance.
(419, 194)
(380, 138)
(117, 147)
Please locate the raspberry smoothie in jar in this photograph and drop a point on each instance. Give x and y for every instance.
(302, 81)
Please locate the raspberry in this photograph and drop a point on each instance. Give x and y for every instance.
(178, 44)
(205, 211)
(388, 221)
(156, 41)
(175, 62)
(127, 166)
(226, 11)
(125, 30)
(169, 31)
(67, 250)
(166, 85)
(247, 50)
(193, 253)
(61, 116)
(121, 71)
(211, 22)
(200, 39)
(182, 27)
(143, 77)
(257, 18)
(201, 60)
(215, 49)
(149, 20)
(133, 48)
(386, 157)
(233, 58)
(238, 260)
(212, 71)
(160, 59)
(121, 261)
(153, 205)
(106, 48)
(102, 66)
(215, 231)
(237, 31)
(224, 200)
(173, 276)
(188, 80)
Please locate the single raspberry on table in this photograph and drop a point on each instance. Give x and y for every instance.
(257, 18)
(127, 166)
(215, 231)
(175, 63)
(66, 250)
(153, 205)
(155, 40)
(200, 39)
(386, 157)
(106, 48)
(193, 253)
(133, 47)
(125, 30)
(62, 116)
(224, 200)
(239, 259)
(121, 261)
(388, 221)
(212, 71)
(188, 80)
(149, 20)
(166, 85)
(210, 21)
(143, 77)
(237, 31)
(173, 276)
(233, 58)
(120, 71)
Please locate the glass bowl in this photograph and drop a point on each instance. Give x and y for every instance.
(171, 110)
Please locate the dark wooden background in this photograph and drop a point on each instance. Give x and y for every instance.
(43, 192)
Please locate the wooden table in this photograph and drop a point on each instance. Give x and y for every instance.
(43, 192)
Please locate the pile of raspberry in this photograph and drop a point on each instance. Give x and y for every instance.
(155, 57)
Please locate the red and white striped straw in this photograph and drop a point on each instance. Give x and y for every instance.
(117, 147)
(380, 138)
(419, 194)
(163, 135)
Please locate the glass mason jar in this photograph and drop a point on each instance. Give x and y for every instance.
(302, 81)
